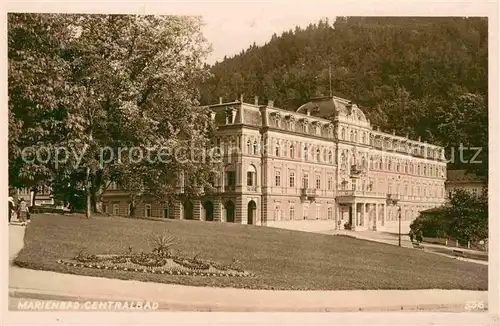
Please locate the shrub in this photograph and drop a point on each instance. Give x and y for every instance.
(162, 243)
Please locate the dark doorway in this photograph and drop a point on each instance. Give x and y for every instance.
(350, 215)
(188, 210)
(252, 210)
(229, 206)
(209, 211)
(165, 213)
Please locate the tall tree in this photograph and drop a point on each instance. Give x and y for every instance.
(128, 85)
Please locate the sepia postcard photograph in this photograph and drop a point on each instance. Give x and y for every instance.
(308, 159)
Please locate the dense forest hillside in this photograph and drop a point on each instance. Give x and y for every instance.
(422, 77)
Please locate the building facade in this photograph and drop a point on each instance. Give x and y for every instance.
(461, 179)
(324, 161)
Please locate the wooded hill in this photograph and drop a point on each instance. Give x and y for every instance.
(422, 77)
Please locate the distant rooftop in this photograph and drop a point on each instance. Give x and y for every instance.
(462, 176)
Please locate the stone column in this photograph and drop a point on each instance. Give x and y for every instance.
(241, 211)
(363, 218)
(337, 216)
(217, 210)
(197, 214)
(354, 216)
(376, 217)
(178, 210)
(384, 215)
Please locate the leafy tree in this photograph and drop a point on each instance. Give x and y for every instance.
(464, 217)
(115, 82)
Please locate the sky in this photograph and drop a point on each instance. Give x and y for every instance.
(238, 26)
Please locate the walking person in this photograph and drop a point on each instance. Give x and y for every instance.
(411, 236)
(22, 211)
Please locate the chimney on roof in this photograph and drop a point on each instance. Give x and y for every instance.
(256, 100)
(220, 100)
(270, 103)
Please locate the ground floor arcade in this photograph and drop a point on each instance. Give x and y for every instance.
(352, 213)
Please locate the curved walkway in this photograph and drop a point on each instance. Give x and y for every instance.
(43, 285)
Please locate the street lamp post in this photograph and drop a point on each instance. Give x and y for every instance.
(391, 201)
(399, 231)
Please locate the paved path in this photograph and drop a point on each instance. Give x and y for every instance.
(44, 285)
(327, 227)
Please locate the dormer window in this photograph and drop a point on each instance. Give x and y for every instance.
(230, 113)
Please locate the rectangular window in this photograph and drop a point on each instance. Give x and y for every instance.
(305, 212)
(277, 177)
(305, 180)
(249, 179)
(147, 210)
(330, 182)
(318, 181)
(231, 178)
(165, 213)
(330, 213)
(292, 212)
(292, 179)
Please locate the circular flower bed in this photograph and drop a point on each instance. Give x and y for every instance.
(153, 263)
(192, 264)
(148, 260)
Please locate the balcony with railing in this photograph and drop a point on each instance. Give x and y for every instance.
(357, 170)
(308, 194)
(360, 193)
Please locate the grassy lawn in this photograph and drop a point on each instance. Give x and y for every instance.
(281, 259)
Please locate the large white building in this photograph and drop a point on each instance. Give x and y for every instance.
(324, 161)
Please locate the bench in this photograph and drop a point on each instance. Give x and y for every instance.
(458, 253)
(416, 245)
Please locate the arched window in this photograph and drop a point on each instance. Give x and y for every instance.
(330, 157)
(292, 212)
(363, 140)
(292, 151)
(389, 164)
(356, 139)
(318, 155)
(406, 167)
(425, 170)
(363, 162)
(277, 149)
(249, 147)
(351, 136)
(342, 133)
(255, 148)
(305, 153)
(324, 156)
